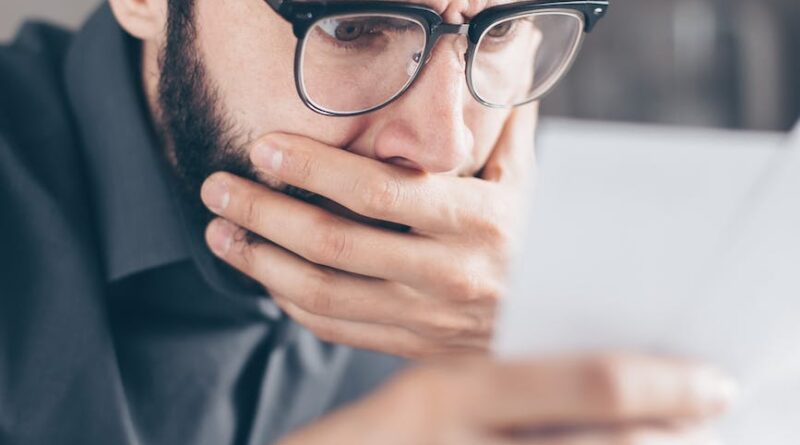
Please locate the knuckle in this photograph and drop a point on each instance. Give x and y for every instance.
(484, 215)
(494, 231)
(503, 240)
(482, 324)
(500, 241)
(322, 331)
(318, 299)
(252, 212)
(332, 244)
(246, 252)
(379, 194)
(493, 224)
(465, 284)
(311, 322)
(456, 278)
(444, 326)
(300, 165)
(447, 325)
(491, 291)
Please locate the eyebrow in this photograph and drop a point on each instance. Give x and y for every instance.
(440, 6)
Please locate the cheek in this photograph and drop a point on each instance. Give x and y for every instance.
(486, 125)
(248, 51)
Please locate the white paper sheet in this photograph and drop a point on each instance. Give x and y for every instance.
(680, 242)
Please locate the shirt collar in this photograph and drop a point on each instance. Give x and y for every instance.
(138, 223)
(141, 215)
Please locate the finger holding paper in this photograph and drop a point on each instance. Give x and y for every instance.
(673, 242)
(599, 400)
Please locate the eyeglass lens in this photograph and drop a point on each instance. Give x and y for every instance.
(356, 62)
(519, 59)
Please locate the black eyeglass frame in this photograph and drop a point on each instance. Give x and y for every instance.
(304, 14)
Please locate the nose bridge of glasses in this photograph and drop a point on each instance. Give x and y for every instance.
(447, 29)
(450, 28)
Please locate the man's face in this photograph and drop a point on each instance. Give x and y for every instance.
(227, 77)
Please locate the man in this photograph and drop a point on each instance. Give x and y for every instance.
(365, 202)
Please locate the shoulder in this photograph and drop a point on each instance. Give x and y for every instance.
(33, 108)
(41, 171)
(31, 71)
(37, 135)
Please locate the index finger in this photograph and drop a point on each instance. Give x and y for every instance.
(597, 391)
(365, 186)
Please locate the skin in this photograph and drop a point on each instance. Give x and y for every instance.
(407, 252)
(617, 400)
(253, 69)
(426, 292)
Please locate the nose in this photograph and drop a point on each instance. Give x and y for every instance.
(425, 129)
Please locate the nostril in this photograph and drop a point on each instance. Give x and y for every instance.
(403, 162)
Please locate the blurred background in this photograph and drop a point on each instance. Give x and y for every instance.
(68, 12)
(719, 63)
(712, 63)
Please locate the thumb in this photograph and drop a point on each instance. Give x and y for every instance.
(513, 158)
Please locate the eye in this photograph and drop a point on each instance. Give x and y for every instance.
(362, 33)
(349, 31)
(345, 31)
(502, 29)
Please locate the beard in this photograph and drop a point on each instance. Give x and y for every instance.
(193, 123)
(201, 138)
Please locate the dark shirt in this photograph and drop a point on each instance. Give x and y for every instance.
(117, 325)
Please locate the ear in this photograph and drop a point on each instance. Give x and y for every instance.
(143, 19)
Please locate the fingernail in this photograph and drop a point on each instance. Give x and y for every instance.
(267, 156)
(220, 236)
(215, 194)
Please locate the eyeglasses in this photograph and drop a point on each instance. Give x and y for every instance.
(354, 57)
